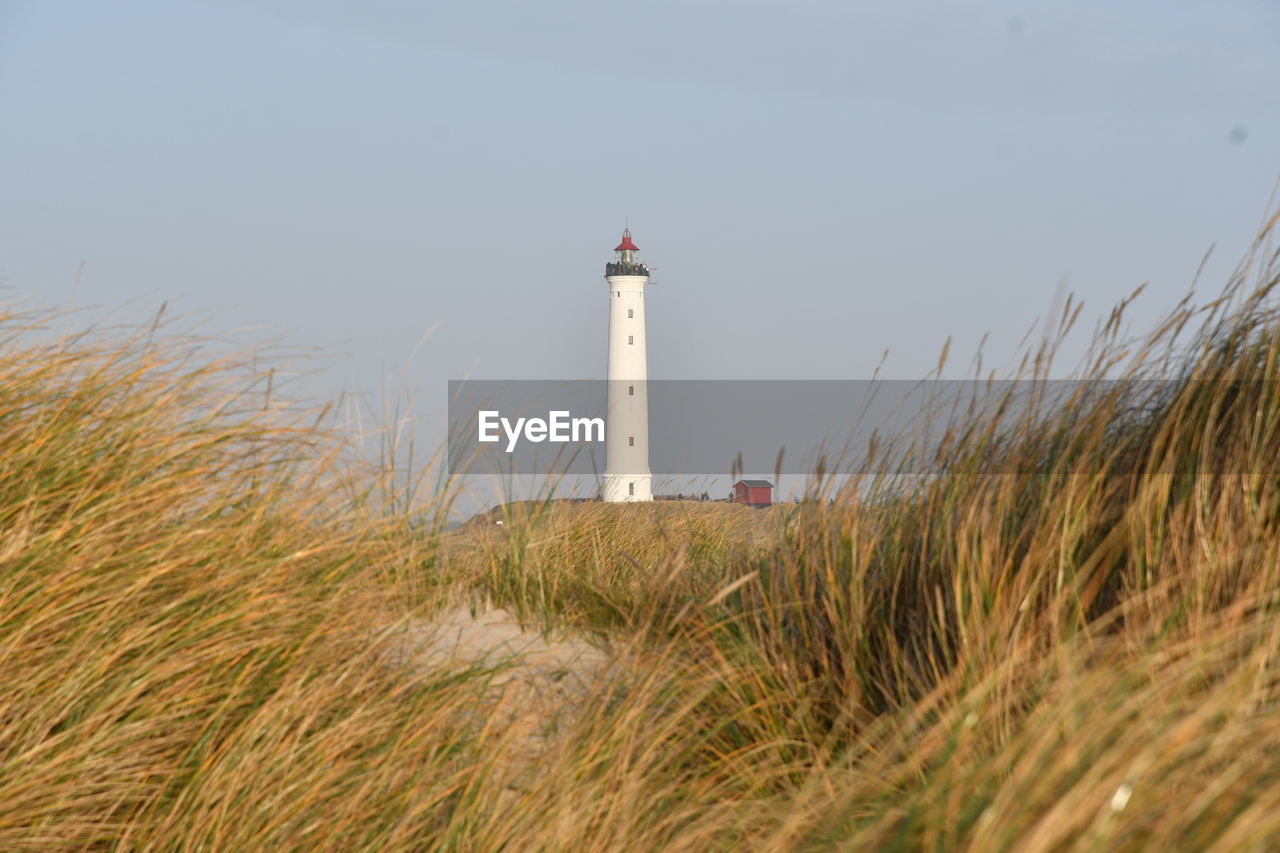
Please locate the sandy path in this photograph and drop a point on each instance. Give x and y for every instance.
(538, 683)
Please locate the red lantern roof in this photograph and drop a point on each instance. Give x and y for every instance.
(626, 245)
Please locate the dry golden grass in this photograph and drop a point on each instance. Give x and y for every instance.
(593, 564)
(215, 628)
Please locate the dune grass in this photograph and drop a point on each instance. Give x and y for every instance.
(1067, 640)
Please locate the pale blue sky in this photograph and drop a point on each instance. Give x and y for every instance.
(832, 179)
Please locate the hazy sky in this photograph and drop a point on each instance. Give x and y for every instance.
(815, 181)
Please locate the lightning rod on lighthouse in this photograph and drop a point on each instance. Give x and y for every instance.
(627, 476)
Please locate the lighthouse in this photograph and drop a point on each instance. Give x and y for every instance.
(626, 469)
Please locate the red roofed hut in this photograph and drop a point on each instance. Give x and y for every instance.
(753, 492)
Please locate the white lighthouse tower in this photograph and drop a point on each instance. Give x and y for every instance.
(626, 469)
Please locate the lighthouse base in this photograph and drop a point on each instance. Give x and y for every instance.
(626, 488)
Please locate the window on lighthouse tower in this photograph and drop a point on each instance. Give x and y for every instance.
(630, 313)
